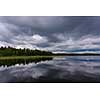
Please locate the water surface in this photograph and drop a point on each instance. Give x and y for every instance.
(57, 69)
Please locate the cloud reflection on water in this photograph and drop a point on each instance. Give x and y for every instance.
(66, 69)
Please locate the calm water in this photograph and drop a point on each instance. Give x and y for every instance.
(58, 69)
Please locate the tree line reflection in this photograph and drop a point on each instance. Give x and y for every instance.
(11, 62)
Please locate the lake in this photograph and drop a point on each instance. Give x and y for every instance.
(57, 69)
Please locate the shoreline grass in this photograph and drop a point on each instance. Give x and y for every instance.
(23, 57)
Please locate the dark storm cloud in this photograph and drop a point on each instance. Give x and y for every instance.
(39, 24)
(56, 33)
(52, 24)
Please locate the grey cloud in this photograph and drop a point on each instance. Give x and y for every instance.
(56, 23)
(42, 23)
(50, 32)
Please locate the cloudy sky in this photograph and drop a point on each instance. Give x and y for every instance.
(53, 33)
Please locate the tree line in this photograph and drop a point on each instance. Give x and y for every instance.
(10, 51)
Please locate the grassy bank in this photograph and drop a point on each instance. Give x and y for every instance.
(24, 57)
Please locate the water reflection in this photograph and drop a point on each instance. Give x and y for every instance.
(10, 62)
(59, 69)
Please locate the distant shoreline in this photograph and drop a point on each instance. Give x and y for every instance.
(86, 54)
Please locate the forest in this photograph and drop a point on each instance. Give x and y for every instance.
(10, 51)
